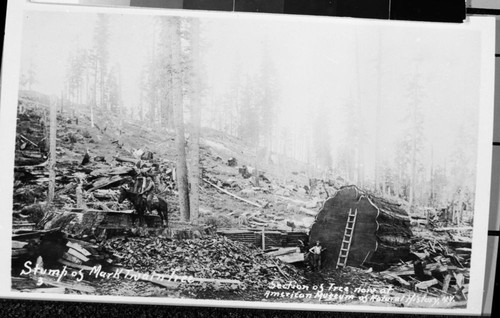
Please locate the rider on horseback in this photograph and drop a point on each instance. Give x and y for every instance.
(146, 188)
(144, 184)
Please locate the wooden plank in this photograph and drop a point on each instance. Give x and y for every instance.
(78, 255)
(426, 284)
(84, 244)
(105, 181)
(399, 279)
(280, 270)
(20, 225)
(71, 258)
(79, 286)
(446, 283)
(283, 251)
(407, 273)
(292, 258)
(32, 234)
(74, 265)
(51, 290)
(18, 244)
(19, 251)
(459, 279)
(78, 248)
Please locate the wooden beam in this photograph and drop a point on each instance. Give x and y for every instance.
(463, 228)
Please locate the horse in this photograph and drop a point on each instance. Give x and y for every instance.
(138, 201)
(161, 206)
(141, 204)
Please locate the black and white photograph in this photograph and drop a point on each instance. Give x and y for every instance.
(248, 160)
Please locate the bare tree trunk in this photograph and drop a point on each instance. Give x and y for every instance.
(107, 107)
(194, 197)
(182, 177)
(413, 169)
(52, 161)
(141, 101)
(256, 175)
(377, 119)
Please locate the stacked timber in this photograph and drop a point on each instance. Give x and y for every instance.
(271, 238)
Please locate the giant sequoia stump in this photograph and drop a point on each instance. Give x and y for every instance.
(381, 234)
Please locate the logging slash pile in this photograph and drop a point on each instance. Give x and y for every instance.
(212, 258)
(436, 269)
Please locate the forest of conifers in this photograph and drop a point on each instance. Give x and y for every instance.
(339, 102)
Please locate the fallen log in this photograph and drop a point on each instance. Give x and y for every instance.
(233, 195)
(123, 159)
(382, 229)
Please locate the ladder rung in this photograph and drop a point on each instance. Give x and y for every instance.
(346, 241)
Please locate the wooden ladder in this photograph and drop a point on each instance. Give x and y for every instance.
(346, 241)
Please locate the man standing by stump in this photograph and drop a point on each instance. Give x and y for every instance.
(316, 256)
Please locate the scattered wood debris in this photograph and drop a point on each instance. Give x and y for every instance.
(436, 268)
(206, 258)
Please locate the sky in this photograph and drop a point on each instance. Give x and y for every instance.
(318, 64)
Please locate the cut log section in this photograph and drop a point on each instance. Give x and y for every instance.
(382, 229)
